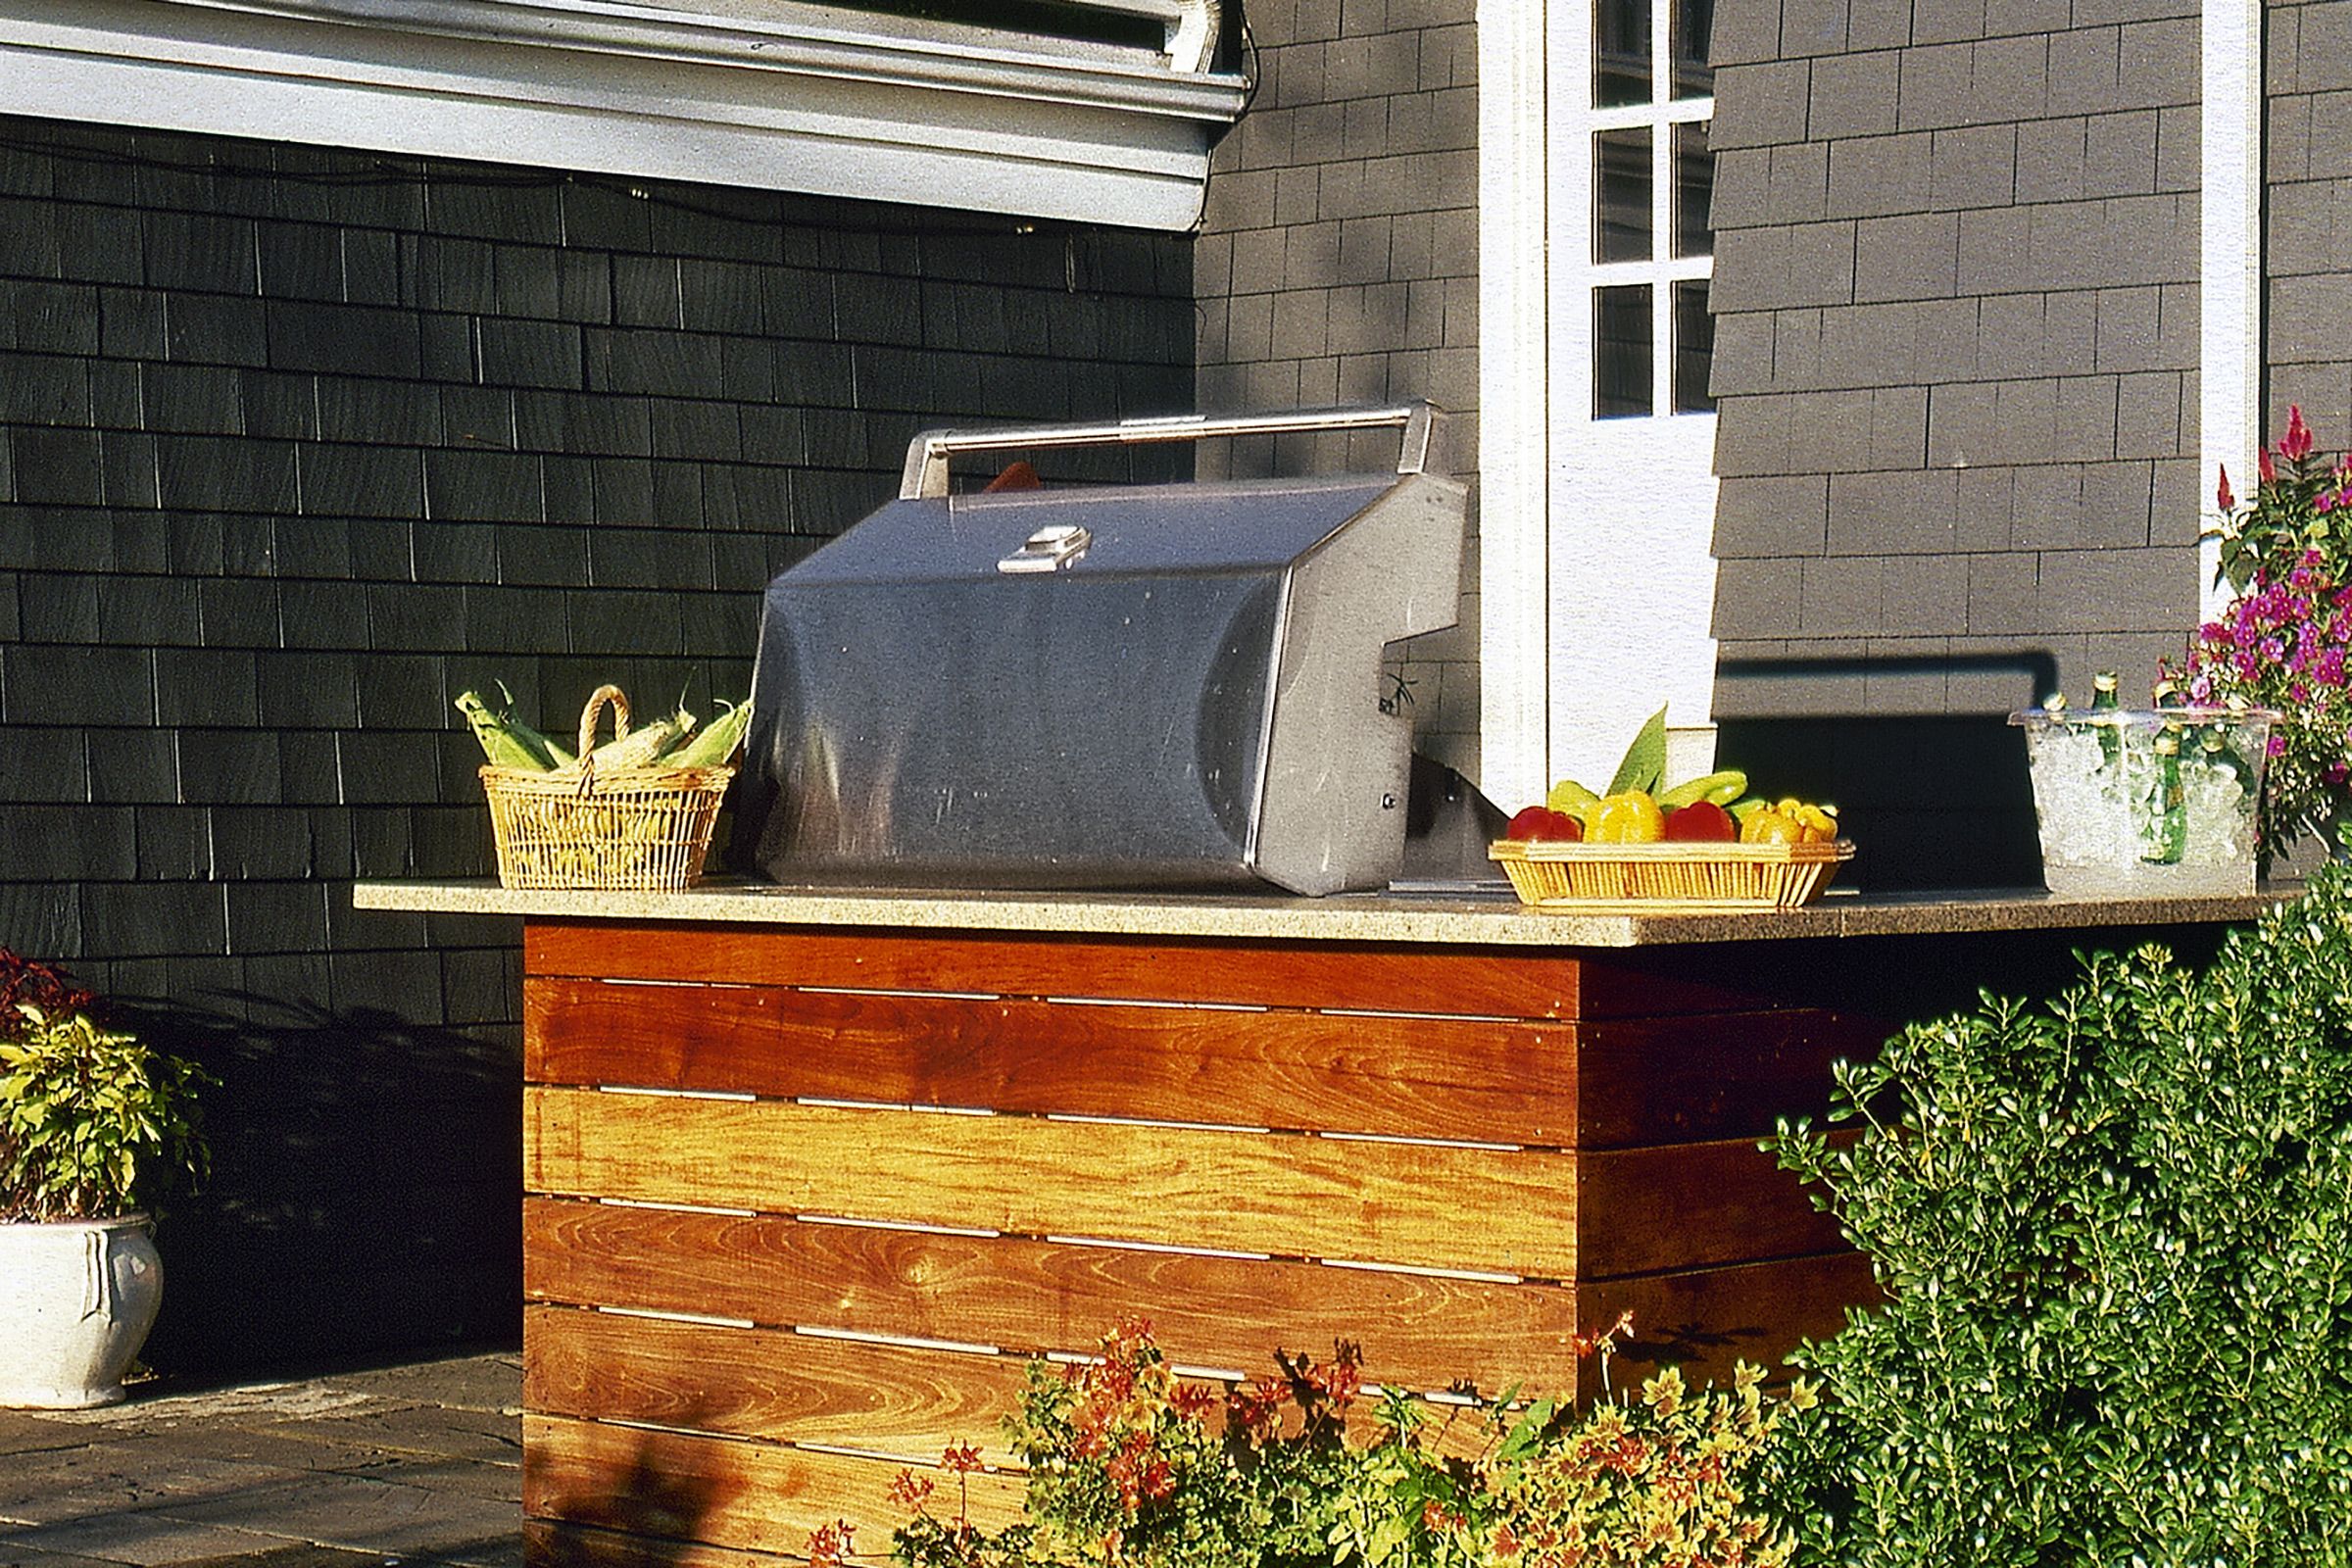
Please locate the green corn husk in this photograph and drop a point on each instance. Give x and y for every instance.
(715, 743)
(644, 746)
(504, 742)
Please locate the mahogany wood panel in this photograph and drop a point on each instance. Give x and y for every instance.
(1704, 1320)
(1485, 982)
(767, 1383)
(1438, 1206)
(1418, 1331)
(1413, 1077)
(1709, 1076)
(549, 1544)
(727, 1492)
(1689, 1206)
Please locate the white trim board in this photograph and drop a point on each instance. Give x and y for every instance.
(2230, 321)
(649, 91)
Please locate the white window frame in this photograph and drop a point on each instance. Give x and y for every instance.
(1517, 224)
(781, 95)
(1581, 638)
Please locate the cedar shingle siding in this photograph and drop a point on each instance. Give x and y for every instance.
(1956, 271)
(1338, 261)
(295, 445)
(2308, 257)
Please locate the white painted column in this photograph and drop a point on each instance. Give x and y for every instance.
(2230, 299)
(1514, 403)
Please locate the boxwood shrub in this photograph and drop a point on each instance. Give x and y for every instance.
(2115, 1234)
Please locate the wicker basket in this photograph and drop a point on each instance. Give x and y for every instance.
(640, 830)
(1669, 878)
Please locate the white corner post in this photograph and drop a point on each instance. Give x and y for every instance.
(1514, 403)
(2229, 297)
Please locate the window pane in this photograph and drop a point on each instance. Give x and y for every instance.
(1621, 381)
(1693, 348)
(1693, 27)
(1621, 196)
(1620, 51)
(1693, 191)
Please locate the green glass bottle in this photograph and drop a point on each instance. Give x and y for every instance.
(2104, 701)
(2164, 833)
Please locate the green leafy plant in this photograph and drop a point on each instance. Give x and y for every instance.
(1126, 1467)
(91, 1120)
(2115, 1236)
(2284, 641)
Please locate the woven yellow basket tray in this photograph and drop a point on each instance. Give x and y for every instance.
(639, 829)
(1669, 878)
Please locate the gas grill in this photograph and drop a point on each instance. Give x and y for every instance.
(1103, 686)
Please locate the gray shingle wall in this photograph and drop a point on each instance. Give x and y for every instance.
(1338, 261)
(2308, 243)
(295, 445)
(1956, 271)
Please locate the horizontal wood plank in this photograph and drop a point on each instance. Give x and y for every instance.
(1480, 981)
(767, 1383)
(1706, 1320)
(1709, 1076)
(1433, 1205)
(547, 1543)
(1417, 1077)
(1690, 1205)
(688, 1486)
(1417, 1331)
(912, 1400)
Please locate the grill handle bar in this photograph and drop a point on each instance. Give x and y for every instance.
(927, 455)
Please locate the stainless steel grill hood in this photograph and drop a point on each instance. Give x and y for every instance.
(1147, 686)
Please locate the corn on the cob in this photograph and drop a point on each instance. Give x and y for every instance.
(644, 746)
(713, 745)
(505, 743)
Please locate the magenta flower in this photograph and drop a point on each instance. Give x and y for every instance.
(2295, 445)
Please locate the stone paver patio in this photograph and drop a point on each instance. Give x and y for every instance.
(419, 1463)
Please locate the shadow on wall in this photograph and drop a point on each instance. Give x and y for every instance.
(364, 1194)
(1932, 800)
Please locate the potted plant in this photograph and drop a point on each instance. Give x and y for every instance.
(91, 1121)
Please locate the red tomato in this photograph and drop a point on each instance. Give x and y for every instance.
(1539, 822)
(1702, 821)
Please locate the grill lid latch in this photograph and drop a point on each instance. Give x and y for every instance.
(1050, 549)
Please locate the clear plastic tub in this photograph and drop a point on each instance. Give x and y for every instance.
(2114, 824)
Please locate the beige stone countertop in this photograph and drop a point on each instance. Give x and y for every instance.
(1449, 918)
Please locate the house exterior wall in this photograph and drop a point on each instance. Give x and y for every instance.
(295, 445)
(1956, 278)
(2308, 232)
(1338, 263)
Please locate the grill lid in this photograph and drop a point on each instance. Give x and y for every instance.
(1148, 686)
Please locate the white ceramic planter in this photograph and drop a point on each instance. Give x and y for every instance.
(76, 1299)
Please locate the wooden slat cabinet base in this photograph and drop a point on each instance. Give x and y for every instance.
(802, 1205)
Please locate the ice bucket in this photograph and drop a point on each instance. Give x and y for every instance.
(2146, 801)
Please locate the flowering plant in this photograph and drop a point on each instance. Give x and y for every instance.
(2298, 503)
(87, 1112)
(1126, 1467)
(2283, 643)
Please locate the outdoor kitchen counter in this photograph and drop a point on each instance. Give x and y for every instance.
(810, 1176)
(1441, 919)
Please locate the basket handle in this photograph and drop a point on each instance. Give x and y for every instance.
(620, 717)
